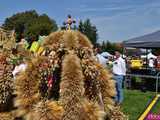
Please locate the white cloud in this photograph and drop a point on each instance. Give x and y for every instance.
(103, 9)
(139, 20)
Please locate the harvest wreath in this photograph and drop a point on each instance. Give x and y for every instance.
(65, 82)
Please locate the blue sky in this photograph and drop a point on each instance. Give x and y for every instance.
(116, 20)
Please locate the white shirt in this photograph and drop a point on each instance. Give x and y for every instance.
(119, 66)
(151, 63)
(19, 69)
(102, 60)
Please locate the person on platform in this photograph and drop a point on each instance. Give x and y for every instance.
(119, 71)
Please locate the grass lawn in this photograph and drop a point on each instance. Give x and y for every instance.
(156, 109)
(135, 103)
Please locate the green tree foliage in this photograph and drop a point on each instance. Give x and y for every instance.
(156, 51)
(42, 25)
(111, 47)
(30, 23)
(89, 30)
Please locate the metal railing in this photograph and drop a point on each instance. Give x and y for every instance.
(157, 82)
(156, 77)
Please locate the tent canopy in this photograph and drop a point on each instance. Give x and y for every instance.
(149, 55)
(147, 41)
(106, 54)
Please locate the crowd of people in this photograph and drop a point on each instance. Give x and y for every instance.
(119, 65)
(144, 64)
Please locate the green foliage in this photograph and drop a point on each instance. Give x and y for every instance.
(30, 23)
(156, 51)
(137, 79)
(111, 47)
(42, 25)
(89, 30)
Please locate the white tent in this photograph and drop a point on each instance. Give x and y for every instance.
(143, 56)
(150, 55)
(106, 54)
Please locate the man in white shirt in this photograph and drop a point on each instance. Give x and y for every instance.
(151, 63)
(152, 66)
(119, 71)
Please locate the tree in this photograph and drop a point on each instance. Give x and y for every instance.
(156, 51)
(89, 30)
(111, 47)
(42, 25)
(103, 46)
(30, 23)
(81, 26)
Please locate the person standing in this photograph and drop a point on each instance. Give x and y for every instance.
(151, 63)
(152, 66)
(119, 71)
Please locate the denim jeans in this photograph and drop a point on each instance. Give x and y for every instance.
(119, 90)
